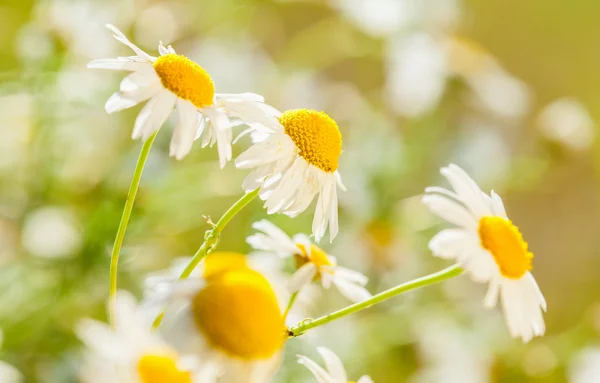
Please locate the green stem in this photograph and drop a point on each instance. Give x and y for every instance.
(290, 304)
(211, 240)
(427, 280)
(133, 188)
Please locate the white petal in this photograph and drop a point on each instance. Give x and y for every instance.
(522, 307)
(153, 115)
(275, 232)
(222, 132)
(467, 189)
(320, 374)
(351, 291)
(303, 276)
(119, 63)
(449, 243)
(351, 275)
(479, 264)
(121, 37)
(365, 379)
(287, 187)
(498, 205)
(491, 297)
(276, 147)
(449, 210)
(183, 136)
(123, 100)
(333, 364)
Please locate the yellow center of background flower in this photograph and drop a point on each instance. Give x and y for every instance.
(317, 257)
(238, 313)
(222, 261)
(504, 240)
(316, 136)
(186, 79)
(160, 369)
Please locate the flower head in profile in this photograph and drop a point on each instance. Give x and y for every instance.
(490, 248)
(312, 262)
(295, 163)
(172, 81)
(334, 371)
(132, 353)
(232, 320)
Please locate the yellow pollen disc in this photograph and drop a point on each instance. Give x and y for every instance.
(186, 79)
(504, 240)
(237, 312)
(316, 136)
(222, 261)
(161, 368)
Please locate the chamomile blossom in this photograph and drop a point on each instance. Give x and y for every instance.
(132, 353)
(297, 161)
(173, 81)
(313, 263)
(334, 371)
(232, 320)
(490, 248)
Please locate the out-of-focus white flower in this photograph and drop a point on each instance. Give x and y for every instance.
(231, 319)
(567, 122)
(132, 353)
(449, 353)
(295, 163)
(173, 81)
(334, 372)
(313, 263)
(378, 17)
(417, 72)
(585, 367)
(490, 248)
(51, 232)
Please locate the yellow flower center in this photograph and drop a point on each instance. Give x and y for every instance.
(317, 257)
(222, 261)
(316, 136)
(186, 79)
(238, 313)
(504, 240)
(161, 368)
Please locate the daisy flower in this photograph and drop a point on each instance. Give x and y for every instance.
(132, 353)
(295, 163)
(334, 372)
(232, 321)
(312, 262)
(173, 81)
(490, 248)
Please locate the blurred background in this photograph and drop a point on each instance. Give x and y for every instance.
(510, 90)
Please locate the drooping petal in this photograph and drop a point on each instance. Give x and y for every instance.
(153, 115)
(303, 276)
(333, 364)
(183, 136)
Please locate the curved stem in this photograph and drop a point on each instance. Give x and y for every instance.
(211, 240)
(427, 280)
(133, 187)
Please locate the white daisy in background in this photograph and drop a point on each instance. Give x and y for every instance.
(132, 353)
(232, 321)
(489, 247)
(334, 372)
(313, 263)
(294, 164)
(173, 81)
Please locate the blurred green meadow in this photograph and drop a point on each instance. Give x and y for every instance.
(509, 90)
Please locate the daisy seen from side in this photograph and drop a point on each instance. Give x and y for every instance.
(312, 262)
(295, 163)
(232, 320)
(172, 81)
(490, 248)
(334, 371)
